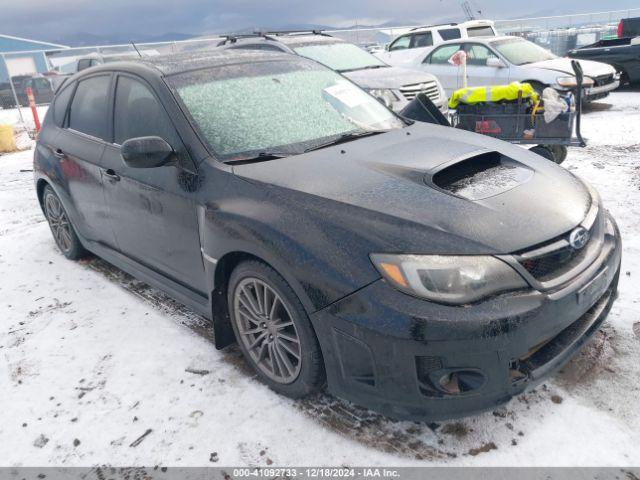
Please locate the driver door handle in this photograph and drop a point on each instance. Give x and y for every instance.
(111, 175)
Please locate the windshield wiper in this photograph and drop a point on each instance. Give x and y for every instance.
(347, 137)
(261, 157)
(347, 70)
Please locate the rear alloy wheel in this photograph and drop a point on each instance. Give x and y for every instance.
(273, 330)
(61, 228)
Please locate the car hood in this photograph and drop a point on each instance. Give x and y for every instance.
(383, 187)
(590, 68)
(388, 77)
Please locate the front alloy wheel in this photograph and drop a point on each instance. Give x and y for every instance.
(273, 330)
(266, 330)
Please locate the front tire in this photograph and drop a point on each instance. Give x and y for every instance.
(274, 331)
(63, 232)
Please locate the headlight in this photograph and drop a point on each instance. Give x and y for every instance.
(570, 82)
(446, 278)
(386, 96)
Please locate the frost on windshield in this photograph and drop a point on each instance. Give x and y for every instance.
(340, 56)
(280, 110)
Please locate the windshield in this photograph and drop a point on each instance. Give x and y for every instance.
(341, 57)
(277, 107)
(520, 52)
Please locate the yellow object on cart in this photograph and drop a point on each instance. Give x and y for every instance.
(494, 93)
(7, 143)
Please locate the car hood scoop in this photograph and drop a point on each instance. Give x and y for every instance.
(481, 176)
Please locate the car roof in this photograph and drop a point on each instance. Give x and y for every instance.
(467, 24)
(187, 61)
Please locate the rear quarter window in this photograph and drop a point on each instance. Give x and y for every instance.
(480, 32)
(61, 104)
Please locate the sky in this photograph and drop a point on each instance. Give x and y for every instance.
(141, 19)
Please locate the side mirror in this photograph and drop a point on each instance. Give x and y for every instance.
(146, 152)
(495, 62)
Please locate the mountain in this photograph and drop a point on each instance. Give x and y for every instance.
(84, 39)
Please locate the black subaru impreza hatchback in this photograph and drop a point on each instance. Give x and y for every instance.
(415, 269)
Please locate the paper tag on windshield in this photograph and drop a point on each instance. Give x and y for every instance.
(347, 94)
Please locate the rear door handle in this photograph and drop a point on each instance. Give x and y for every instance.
(111, 175)
(59, 153)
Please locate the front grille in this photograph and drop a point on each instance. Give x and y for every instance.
(557, 257)
(603, 80)
(429, 88)
(554, 264)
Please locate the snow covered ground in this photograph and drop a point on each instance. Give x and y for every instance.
(91, 360)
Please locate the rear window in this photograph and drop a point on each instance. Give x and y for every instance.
(449, 33)
(89, 108)
(485, 31)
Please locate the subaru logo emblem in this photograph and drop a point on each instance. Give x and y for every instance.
(579, 238)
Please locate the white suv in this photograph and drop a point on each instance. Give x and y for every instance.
(406, 47)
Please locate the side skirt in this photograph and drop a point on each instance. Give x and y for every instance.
(188, 297)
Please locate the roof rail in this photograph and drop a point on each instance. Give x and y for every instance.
(234, 37)
(297, 32)
(434, 26)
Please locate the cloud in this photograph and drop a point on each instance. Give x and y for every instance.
(137, 19)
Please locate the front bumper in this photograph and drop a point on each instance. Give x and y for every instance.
(598, 92)
(389, 351)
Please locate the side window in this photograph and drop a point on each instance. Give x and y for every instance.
(441, 56)
(60, 105)
(449, 33)
(424, 39)
(139, 114)
(89, 108)
(41, 84)
(477, 55)
(400, 43)
(84, 63)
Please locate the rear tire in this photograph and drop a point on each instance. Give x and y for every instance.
(63, 232)
(274, 331)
